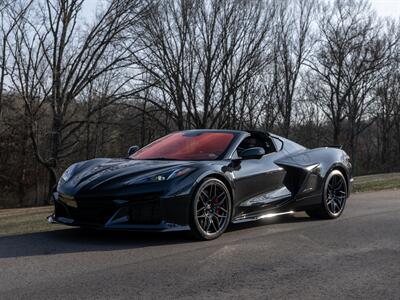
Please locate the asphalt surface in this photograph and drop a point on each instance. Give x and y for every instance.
(355, 256)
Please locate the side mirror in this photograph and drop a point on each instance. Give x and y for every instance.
(132, 150)
(253, 153)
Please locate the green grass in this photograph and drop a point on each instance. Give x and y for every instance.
(376, 182)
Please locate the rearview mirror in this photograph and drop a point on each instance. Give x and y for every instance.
(132, 150)
(253, 153)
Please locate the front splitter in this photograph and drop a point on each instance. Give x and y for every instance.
(162, 227)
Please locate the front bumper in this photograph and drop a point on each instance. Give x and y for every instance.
(139, 213)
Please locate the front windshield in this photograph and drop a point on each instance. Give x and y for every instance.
(187, 145)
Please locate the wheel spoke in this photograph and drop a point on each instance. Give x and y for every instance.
(220, 216)
(213, 191)
(203, 193)
(223, 209)
(222, 194)
(219, 221)
(333, 181)
(336, 206)
(213, 224)
(337, 203)
(340, 200)
(333, 206)
(208, 224)
(222, 200)
(339, 186)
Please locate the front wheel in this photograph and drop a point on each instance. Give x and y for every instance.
(334, 197)
(210, 210)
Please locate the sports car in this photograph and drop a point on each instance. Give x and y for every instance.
(203, 180)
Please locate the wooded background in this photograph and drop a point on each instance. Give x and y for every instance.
(74, 88)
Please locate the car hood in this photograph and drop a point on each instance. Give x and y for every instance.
(102, 175)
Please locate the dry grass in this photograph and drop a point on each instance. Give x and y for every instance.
(376, 182)
(25, 220)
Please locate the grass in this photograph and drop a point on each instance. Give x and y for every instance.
(376, 182)
(26, 220)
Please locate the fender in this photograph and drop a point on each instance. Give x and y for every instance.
(307, 169)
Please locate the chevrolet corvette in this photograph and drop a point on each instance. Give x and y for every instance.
(203, 180)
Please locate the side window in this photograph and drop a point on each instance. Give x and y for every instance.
(278, 144)
(270, 146)
(254, 141)
(288, 145)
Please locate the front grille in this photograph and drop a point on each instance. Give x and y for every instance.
(142, 209)
(93, 211)
(147, 212)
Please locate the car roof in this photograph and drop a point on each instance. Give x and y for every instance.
(213, 130)
(255, 132)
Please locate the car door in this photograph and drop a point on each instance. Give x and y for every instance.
(258, 176)
(259, 183)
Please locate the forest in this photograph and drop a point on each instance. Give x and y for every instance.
(73, 88)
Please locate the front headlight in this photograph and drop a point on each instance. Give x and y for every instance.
(158, 177)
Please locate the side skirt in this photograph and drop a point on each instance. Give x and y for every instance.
(259, 217)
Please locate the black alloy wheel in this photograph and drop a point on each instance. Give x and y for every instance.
(211, 209)
(334, 197)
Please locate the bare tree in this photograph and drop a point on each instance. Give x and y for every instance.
(73, 89)
(54, 65)
(342, 60)
(199, 55)
(387, 112)
(294, 43)
(373, 58)
(11, 13)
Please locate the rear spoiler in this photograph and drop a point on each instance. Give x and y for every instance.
(335, 146)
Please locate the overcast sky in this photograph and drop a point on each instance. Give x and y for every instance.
(384, 8)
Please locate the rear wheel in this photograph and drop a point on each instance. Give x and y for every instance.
(210, 210)
(334, 197)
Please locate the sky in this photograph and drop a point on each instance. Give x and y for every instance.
(387, 8)
(384, 8)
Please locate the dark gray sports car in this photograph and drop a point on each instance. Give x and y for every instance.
(203, 180)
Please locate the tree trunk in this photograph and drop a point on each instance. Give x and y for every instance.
(336, 133)
(55, 143)
(3, 71)
(286, 125)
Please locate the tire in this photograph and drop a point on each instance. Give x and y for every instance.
(210, 210)
(334, 197)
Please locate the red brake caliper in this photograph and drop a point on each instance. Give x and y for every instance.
(218, 210)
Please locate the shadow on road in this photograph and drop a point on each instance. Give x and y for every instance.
(71, 240)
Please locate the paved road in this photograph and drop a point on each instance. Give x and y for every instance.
(356, 256)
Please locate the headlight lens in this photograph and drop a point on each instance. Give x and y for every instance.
(167, 175)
